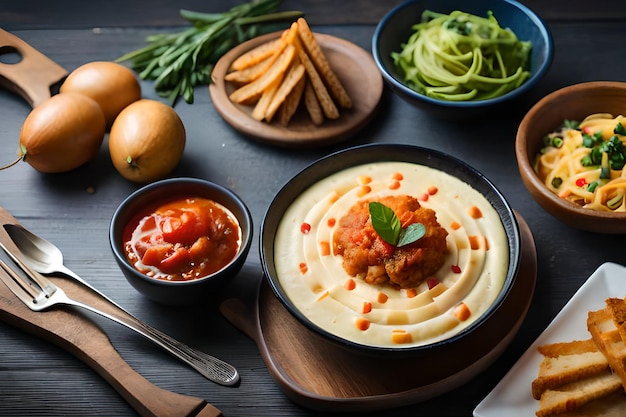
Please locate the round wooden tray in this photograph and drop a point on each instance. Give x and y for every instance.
(318, 374)
(353, 65)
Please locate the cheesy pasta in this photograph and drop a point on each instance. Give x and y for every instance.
(584, 162)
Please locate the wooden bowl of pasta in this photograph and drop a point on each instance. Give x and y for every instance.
(571, 157)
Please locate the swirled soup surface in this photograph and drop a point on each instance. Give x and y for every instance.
(467, 283)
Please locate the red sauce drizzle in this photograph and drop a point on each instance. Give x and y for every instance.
(362, 324)
(433, 282)
(394, 185)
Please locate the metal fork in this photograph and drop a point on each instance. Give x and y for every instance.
(40, 294)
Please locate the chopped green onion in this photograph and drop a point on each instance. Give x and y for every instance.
(596, 155)
(590, 141)
(619, 129)
(557, 142)
(605, 169)
(615, 150)
(615, 202)
(571, 124)
(586, 161)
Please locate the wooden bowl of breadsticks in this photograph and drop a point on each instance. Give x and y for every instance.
(296, 88)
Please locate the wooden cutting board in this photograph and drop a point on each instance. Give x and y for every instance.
(318, 374)
(81, 337)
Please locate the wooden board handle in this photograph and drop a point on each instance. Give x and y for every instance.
(85, 340)
(31, 77)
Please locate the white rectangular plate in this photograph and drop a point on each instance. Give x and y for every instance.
(512, 396)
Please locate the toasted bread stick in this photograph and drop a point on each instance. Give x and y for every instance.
(321, 63)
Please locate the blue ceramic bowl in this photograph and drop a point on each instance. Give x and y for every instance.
(396, 27)
(207, 289)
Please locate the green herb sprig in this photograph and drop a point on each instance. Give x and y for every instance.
(178, 62)
(388, 227)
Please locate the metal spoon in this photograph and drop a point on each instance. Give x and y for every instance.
(44, 257)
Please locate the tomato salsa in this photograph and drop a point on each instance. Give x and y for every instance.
(185, 239)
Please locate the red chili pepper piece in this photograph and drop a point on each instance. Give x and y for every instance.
(432, 283)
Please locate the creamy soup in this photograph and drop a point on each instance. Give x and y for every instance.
(315, 281)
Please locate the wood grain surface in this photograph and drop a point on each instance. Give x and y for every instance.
(324, 376)
(73, 210)
(42, 14)
(77, 334)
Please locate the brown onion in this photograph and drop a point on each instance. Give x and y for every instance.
(62, 133)
(113, 86)
(146, 141)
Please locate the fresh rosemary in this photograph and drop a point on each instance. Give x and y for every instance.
(177, 62)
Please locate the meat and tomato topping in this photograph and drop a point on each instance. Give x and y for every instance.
(368, 256)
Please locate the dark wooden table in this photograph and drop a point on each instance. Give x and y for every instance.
(37, 378)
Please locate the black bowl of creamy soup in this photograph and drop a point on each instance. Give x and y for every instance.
(390, 248)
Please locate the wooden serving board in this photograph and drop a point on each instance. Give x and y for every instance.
(321, 375)
(81, 337)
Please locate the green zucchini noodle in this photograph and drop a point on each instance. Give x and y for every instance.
(584, 164)
(462, 57)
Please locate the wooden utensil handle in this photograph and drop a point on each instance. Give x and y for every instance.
(33, 75)
(146, 398)
(85, 340)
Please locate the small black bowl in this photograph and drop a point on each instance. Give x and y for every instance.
(367, 154)
(178, 293)
(395, 29)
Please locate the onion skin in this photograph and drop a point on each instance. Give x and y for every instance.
(62, 133)
(113, 86)
(146, 141)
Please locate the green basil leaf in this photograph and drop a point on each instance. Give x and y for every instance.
(385, 222)
(411, 233)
